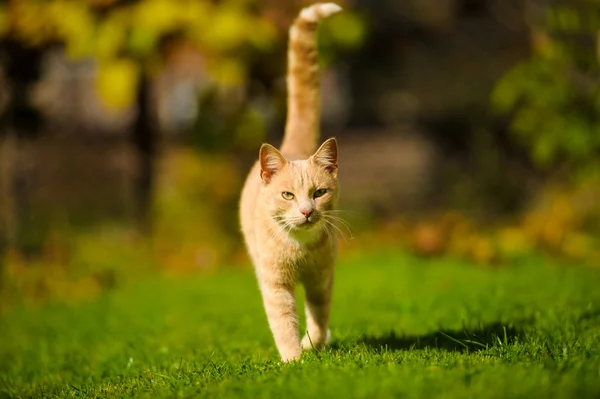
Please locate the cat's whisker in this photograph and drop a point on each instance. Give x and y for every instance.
(284, 245)
(335, 232)
(347, 229)
(332, 232)
(283, 229)
(326, 229)
(277, 218)
(341, 211)
(342, 222)
(288, 226)
(337, 218)
(330, 223)
(274, 234)
(338, 214)
(328, 232)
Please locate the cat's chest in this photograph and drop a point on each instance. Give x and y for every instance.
(301, 255)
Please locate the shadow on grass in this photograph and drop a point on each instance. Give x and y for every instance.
(483, 337)
(590, 315)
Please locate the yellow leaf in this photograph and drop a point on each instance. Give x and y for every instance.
(157, 15)
(195, 14)
(578, 245)
(263, 34)
(227, 72)
(109, 39)
(482, 251)
(229, 29)
(75, 25)
(513, 241)
(117, 82)
(142, 40)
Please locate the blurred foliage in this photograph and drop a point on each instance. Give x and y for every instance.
(193, 232)
(553, 102)
(553, 98)
(75, 265)
(226, 122)
(125, 36)
(196, 223)
(345, 31)
(131, 42)
(561, 223)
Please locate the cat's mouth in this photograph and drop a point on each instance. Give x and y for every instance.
(299, 224)
(307, 223)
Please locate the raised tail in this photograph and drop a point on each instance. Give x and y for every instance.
(303, 83)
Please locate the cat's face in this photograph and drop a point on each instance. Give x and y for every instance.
(300, 195)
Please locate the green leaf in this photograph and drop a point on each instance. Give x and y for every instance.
(75, 25)
(227, 71)
(263, 34)
(142, 40)
(544, 150)
(229, 28)
(110, 38)
(510, 88)
(347, 29)
(251, 129)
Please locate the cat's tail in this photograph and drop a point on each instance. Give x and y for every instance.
(303, 84)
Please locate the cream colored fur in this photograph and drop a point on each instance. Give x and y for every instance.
(287, 208)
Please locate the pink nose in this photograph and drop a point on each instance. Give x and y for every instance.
(306, 212)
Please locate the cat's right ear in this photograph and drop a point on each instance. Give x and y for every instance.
(271, 162)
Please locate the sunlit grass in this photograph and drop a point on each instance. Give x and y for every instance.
(402, 327)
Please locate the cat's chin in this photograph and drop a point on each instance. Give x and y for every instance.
(306, 232)
(306, 225)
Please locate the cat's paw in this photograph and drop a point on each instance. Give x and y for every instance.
(288, 359)
(309, 342)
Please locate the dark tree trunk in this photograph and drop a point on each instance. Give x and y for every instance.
(144, 140)
(20, 122)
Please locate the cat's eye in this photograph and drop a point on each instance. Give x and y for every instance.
(320, 192)
(287, 195)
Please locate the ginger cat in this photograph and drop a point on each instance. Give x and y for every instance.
(288, 201)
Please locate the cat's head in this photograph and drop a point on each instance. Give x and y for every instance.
(300, 194)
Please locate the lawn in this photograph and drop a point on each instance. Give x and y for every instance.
(402, 327)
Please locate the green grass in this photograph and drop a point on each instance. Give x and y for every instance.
(402, 327)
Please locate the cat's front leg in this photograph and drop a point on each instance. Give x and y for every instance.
(318, 288)
(280, 305)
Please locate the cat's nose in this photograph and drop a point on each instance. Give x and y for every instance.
(306, 212)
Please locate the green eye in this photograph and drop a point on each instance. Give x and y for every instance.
(320, 192)
(287, 195)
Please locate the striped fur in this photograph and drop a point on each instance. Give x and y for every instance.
(304, 105)
(288, 201)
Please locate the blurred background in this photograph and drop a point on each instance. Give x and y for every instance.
(467, 129)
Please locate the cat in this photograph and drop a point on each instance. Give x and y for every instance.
(287, 206)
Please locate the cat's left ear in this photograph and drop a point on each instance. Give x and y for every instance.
(327, 156)
(271, 162)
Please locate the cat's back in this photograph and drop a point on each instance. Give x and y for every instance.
(248, 201)
(251, 188)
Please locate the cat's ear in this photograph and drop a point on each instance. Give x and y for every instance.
(327, 156)
(271, 162)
